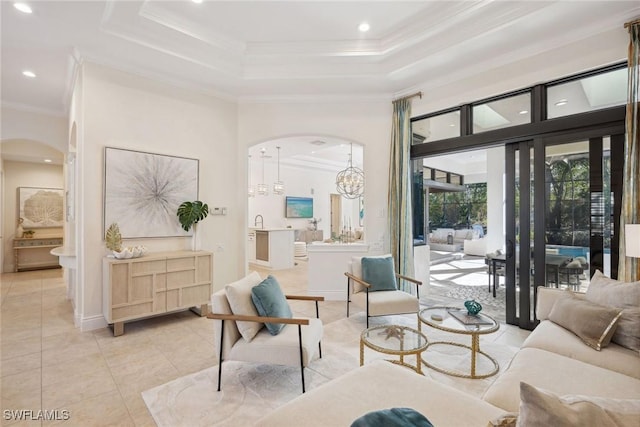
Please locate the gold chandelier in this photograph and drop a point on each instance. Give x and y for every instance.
(350, 181)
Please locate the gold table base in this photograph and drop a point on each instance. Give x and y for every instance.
(475, 350)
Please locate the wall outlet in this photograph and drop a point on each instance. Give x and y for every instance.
(219, 247)
(218, 211)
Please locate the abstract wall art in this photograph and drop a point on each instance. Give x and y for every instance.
(41, 207)
(142, 192)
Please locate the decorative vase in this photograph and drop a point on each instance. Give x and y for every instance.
(473, 307)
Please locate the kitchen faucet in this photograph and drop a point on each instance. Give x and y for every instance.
(255, 221)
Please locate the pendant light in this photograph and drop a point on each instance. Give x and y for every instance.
(263, 189)
(350, 181)
(252, 190)
(278, 186)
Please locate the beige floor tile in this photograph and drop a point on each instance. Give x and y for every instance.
(26, 287)
(20, 364)
(17, 334)
(54, 324)
(135, 378)
(129, 354)
(107, 409)
(26, 302)
(20, 347)
(16, 323)
(68, 340)
(77, 367)
(64, 352)
(139, 412)
(22, 391)
(77, 388)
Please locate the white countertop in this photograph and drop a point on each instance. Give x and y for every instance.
(337, 247)
(270, 229)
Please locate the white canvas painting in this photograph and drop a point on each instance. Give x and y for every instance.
(143, 191)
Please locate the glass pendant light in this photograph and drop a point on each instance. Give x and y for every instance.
(263, 189)
(350, 181)
(278, 186)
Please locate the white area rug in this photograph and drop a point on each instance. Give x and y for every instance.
(249, 391)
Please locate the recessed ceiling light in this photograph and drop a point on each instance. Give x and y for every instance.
(48, 160)
(524, 112)
(23, 7)
(29, 73)
(197, 1)
(451, 125)
(562, 102)
(364, 27)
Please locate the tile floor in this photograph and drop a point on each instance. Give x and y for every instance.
(48, 364)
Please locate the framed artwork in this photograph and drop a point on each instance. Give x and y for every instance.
(361, 211)
(41, 207)
(142, 192)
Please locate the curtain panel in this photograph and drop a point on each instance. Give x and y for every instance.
(399, 198)
(629, 268)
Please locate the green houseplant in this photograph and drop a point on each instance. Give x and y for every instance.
(189, 214)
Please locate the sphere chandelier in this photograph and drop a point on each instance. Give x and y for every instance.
(350, 181)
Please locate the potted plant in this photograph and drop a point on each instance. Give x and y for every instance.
(28, 234)
(189, 214)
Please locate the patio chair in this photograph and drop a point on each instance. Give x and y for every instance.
(375, 280)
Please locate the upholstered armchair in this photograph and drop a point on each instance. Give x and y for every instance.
(374, 280)
(253, 323)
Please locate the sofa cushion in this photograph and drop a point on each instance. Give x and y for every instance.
(380, 273)
(378, 385)
(593, 323)
(392, 302)
(239, 295)
(554, 338)
(540, 407)
(561, 374)
(461, 235)
(271, 302)
(624, 295)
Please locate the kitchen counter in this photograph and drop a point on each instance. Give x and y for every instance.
(327, 264)
(271, 247)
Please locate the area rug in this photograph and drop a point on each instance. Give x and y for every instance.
(249, 391)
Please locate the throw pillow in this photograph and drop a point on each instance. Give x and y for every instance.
(510, 419)
(379, 273)
(239, 296)
(356, 270)
(271, 302)
(542, 408)
(392, 417)
(624, 295)
(593, 323)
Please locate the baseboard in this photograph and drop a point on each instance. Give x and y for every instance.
(92, 323)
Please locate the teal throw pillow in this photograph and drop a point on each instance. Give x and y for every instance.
(380, 273)
(393, 417)
(271, 302)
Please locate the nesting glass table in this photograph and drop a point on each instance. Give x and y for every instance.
(396, 340)
(441, 318)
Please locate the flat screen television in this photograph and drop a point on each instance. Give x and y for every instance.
(298, 207)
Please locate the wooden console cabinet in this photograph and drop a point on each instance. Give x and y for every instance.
(33, 253)
(155, 283)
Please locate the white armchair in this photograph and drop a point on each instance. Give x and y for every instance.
(242, 337)
(381, 302)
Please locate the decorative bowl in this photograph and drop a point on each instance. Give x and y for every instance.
(473, 307)
(130, 252)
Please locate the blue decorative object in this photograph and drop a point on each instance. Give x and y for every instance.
(380, 273)
(473, 307)
(271, 302)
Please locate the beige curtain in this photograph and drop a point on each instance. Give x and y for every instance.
(400, 229)
(629, 268)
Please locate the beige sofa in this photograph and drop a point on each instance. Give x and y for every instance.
(551, 358)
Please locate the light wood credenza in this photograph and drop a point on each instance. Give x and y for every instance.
(33, 253)
(154, 284)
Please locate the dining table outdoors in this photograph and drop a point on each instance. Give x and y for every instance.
(553, 264)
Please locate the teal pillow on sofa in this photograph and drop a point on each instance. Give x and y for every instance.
(392, 417)
(380, 273)
(271, 302)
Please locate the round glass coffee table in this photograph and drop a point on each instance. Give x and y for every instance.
(455, 320)
(397, 340)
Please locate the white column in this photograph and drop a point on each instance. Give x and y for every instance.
(495, 199)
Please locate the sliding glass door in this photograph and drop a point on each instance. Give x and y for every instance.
(561, 197)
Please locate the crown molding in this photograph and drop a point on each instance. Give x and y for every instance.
(381, 97)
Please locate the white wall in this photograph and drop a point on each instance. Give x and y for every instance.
(124, 111)
(49, 130)
(21, 174)
(366, 123)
